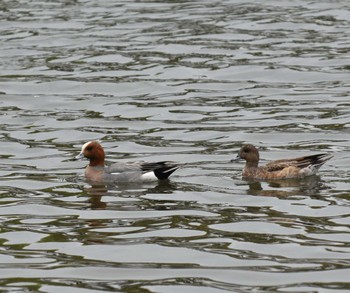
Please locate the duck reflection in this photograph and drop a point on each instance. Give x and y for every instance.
(286, 187)
(97, 191)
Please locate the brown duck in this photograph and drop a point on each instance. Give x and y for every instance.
(281, 169)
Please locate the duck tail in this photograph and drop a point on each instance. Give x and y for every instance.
(165, 169)
(318, 160)
(309, 165)
(162, 170)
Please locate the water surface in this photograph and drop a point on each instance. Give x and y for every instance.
(187, 81)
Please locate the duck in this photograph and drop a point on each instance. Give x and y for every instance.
(140, 171)
(280, 169)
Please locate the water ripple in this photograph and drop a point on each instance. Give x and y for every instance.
(188, 82)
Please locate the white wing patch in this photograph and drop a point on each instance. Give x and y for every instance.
(149, 176)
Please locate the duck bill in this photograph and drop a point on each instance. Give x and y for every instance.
(236, 159)
(79, 157)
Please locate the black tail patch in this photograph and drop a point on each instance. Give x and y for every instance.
(162, 170)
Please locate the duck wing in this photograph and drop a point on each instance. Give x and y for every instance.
(302, 162)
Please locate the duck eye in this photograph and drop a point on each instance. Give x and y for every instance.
(89, 148)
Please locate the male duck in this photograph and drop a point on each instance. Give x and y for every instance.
(281, 169)
(121, 172)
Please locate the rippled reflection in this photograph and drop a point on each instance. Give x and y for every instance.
(311, 186)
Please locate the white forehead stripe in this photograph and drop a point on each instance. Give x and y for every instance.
(85, 145)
